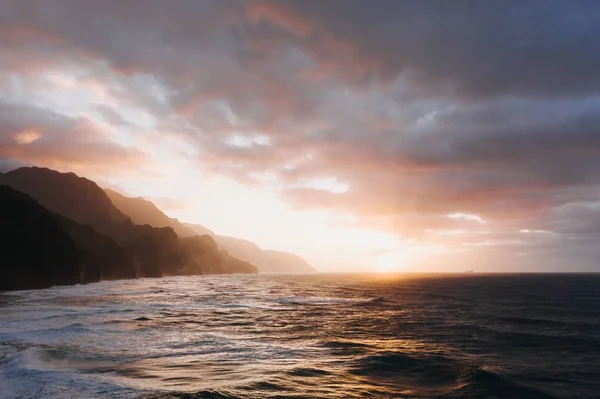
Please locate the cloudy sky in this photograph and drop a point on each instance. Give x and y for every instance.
(361, 135)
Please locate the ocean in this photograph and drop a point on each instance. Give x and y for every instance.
(305, 336)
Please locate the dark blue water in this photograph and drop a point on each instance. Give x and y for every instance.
(319, 336)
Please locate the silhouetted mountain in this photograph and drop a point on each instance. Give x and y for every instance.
(277, 258)
(27, 261)
(196, 239)
(267, 261)
(35, 252)
(101, 258)
(202, 250)
(199, 229)
(110, 244)
(67, 194)
(144, 211)
(83, 201)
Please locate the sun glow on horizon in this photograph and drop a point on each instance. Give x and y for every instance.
(389, 263)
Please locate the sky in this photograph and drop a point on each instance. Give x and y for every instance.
(362, 135)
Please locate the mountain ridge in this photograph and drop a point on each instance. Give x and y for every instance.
(108, 243)
(142, 210)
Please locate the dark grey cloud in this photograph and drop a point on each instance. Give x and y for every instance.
(530, 48)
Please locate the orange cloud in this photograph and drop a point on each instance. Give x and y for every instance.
(278, 15)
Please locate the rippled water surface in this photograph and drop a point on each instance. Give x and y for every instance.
(318, 336)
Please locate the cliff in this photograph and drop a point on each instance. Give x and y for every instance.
(105, 242)
(35, 252)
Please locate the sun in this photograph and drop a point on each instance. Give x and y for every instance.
(388, 263)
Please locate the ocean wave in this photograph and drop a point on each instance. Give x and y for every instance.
(307, 372)
(378, 301)
(424, 369)
(444, 377)
(475, 382)
(47, 373)
(314, 301)
(205, 394)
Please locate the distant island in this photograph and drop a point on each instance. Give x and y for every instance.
(59, 228)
